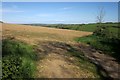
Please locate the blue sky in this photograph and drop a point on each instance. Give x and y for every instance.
(60, 0)
(57, 12)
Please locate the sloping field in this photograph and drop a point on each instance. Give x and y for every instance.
(32, 34)
(57, 59)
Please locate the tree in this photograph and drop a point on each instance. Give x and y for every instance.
(101, 15)
(100, 19)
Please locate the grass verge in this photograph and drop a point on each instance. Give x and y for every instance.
(18, 59)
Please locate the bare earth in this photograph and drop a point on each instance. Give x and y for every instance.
(104, 62)
(57, 64)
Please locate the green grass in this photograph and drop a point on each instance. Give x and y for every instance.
(95, 42)
(87, 39)
(92, 27)
(18, 59)
(80, 27)
(114, 31)
(109, 48)
(88, 27)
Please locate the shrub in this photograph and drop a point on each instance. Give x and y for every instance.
(11, 66)
(102, 31)
(109, 46)
(18, 59)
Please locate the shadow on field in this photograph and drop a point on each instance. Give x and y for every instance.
(76, 51)
(107, 67)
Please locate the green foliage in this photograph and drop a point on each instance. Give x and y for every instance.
(11, 66)
(106, 44)
(95, 42)
(100, 46)
(86, 39)
(80, 27)
(104, 31)
(18, 59)
(108, 41)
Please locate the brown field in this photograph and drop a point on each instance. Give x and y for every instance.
(31, 34)
(54, 48)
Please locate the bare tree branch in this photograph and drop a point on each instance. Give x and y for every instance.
(101, 15)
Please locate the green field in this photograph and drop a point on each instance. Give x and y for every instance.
(80, 27)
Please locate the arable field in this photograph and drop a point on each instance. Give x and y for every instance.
(32, 33)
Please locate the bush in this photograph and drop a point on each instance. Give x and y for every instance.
(102, 31)
(11, 66)
(18, 59)
(105, 39)
(101, 46)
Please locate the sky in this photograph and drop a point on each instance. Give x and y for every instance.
(60, 0)
(57, 12)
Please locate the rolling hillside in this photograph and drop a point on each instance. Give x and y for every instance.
(33, 33)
